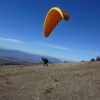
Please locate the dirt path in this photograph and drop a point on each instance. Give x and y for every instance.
(62, 81)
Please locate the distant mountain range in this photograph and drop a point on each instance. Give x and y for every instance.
(16, 55)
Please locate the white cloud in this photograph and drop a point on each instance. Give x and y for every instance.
(12, 40)
(88, 51)
(94, 53)
(52, 45)
(80, 49)
(33, 42)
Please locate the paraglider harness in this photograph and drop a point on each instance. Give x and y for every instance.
(46, 60)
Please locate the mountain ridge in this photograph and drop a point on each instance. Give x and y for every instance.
(18, 55)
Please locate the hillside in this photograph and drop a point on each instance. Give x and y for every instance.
(4, 62)
(59, 81)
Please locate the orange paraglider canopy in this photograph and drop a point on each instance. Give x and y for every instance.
(53, 17)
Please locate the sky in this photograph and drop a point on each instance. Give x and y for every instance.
(21, 28)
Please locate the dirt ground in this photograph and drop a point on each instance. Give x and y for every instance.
(58, 81)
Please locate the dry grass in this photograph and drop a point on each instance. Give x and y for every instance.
(62, 81)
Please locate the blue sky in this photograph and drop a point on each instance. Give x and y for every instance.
(21, 28)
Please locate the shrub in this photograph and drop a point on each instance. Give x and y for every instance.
(65, 61)
(92, 59)
(98, 59)
(83, 61)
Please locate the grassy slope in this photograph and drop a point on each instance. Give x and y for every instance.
(62, 81)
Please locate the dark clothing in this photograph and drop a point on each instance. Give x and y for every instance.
(45, 61)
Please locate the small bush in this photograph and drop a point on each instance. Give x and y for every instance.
(92, 59)
(98, 59)
(83, 61)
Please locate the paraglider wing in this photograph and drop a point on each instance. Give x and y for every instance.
(66, 15)
(53, 17)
